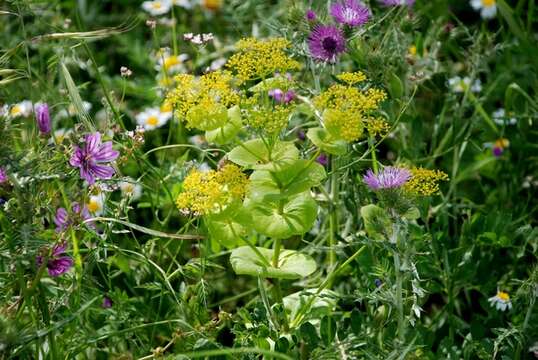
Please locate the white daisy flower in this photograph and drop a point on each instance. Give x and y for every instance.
(153, 118)
(459, 85)
(4, 110)
(170, 63)
(499, 117)
(217, 64)
(96, 204)
(24, 109)
(157, 7)
(487, 8)
(59, 135)
(131, 189)
(501, 301)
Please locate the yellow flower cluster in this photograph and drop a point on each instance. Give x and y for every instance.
(377, 126)
(351, 77)
(208, 94)
(256, 59)
(346, 108)
(271, 120)
(425, 182)
(211, 191)
(343, 124)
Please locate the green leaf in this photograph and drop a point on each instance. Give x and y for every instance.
(229, 131)
(291, 264)
(226, 232)
(396, 87)
(296, 178)
(412, 214)
(295, 217)
(205, 120)
(327, 329)
(309, 334)
(322, 139)
(376, 222)
(321, 304)
(255, 155)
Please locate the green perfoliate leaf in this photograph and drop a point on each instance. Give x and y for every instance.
(322, 139)
(293, 217)
(291, 264)
(226, 232)
(254, 154)
(376, 222)
(321, 304)
(229, 131)
(300, 176)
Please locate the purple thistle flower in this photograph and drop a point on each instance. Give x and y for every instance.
(397, 2)
(323, 160)
(57, 264)
(107, 302)
(89, 157)
(3, 175)
(43, 118)
(311, 15)
(350, 12)
(326, 43)
(388, 178)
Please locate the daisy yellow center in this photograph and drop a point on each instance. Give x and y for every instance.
(488, 3)
(412, 50)
(170, 61)
(128, 189)
(93, 206)
(503, 296)
(15, 110)
(152, 120)
(212, 4)
(156, 5)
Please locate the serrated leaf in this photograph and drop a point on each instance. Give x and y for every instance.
(291, 264)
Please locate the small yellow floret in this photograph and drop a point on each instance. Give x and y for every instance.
(258, 59)
(424, 181)
(503, 296)
(210, 192)
(352, 77)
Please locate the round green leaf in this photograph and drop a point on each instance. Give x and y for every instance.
(225, 232)
(291, 264)
(322, 139)
(229, 131)
(295, 217)
(255, 155)
(296, 178)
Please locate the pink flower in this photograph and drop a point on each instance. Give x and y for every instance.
(91, 157)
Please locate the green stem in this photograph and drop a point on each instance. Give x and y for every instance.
(399, 297)
(276, 252)
(374, 157)
(333, 220)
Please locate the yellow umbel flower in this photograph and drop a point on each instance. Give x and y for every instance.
(195, 99)
(269, 119)
(351, 77)
(377, 126)
(346, 108)
(258, 59)
(424, 181)
(211, 191)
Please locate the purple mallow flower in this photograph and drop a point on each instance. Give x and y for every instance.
(62, 219)
(350, 12)
(43, 118)
(397, 2)
(91, 156)
(107, 303)
(311, 15)
(3, 175)
(323, 160)
(326, 43)
(56, 263)
(282, 97)
(388, 178)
